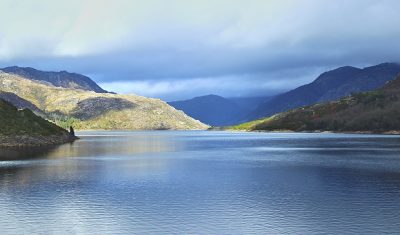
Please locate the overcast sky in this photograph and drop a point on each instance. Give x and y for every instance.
(180, 49)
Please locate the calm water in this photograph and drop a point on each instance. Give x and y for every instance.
(204, 183)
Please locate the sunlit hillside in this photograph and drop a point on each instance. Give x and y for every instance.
(90, 110)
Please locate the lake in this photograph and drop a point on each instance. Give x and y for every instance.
(199, 182)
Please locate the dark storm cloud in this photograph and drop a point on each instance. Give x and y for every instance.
(187, 48)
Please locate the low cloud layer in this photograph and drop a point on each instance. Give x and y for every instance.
(179, 49)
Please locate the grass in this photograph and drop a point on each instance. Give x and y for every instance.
(247, 126)
(24, 122)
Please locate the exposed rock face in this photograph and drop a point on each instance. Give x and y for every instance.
(90, 110)
(95, 107)
(59, 79)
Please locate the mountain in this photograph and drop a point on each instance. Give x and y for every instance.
(249, 104)
(58, 79)
(374, 111)
(212, 109)
(90, 110)
(22, 128)
(330, 86)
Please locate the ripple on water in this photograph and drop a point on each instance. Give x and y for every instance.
(205, 183)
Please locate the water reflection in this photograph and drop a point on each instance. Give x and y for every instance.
(205, 182)
(24, 153)
(121, 144)
(72, 161)
(99, 144)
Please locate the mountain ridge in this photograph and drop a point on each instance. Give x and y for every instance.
(59, 79)
(329, 86)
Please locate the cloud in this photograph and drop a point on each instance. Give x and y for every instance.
(228, 86)
(159, 48)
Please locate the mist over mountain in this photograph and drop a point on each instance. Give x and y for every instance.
(329, 86)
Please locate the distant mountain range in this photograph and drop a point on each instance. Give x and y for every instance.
(59, 79)
(329, 86)
(332, 85)
(215, 110)
(72, 99)
(375, 111)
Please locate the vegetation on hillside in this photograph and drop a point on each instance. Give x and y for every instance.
(375, 111)
(21, 122)
(91, 110)
(329, 86)
(24, 128)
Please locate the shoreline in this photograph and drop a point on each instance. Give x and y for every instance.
(26, 141)
(392, 132)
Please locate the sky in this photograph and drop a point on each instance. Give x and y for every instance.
(179, 49)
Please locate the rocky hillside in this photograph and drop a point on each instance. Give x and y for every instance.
(91, 110)
(59, 79)
(376, 111)
(22, 128)
(330, 86)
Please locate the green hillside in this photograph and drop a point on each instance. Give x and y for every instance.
(376, 111)
(24, 128)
